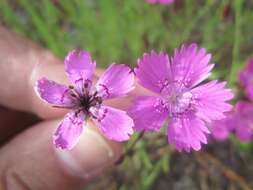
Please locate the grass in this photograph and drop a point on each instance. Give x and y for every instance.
(121, 30)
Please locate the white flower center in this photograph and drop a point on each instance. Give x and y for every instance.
(178, 98)
(180, 102)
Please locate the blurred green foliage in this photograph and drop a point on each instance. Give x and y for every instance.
(121, 30)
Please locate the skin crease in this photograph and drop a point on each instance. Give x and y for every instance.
(28, 159)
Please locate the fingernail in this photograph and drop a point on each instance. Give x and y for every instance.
(89, 157)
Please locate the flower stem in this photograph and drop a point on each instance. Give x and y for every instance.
(140, 135)
(129, 150)
(236, 46)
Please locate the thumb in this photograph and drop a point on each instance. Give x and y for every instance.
(30, 161)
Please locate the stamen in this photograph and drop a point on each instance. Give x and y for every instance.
(93, 116)
(74, 95)
(95, 93)
(71, 87)
(64, 107)
(77, 112)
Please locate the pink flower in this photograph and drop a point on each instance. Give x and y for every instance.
(240, 121)
(221, 129)
(179, 97)
(246, 78)
(85, 99)
(164, 2)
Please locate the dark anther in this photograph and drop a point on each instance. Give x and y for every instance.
(87, 101)
(77, 112)
(95, 94)
(99, 100)
(93, 116)
(71, 87)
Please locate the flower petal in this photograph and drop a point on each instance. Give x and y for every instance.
(220, 129)
(68, 133)
(243, 131)
(148, 113)
(243, 121)
(54, 93)
(154, 71)
(113, 123)
(187, 133)
(116, 81)
(191, 66)
(80, 69)
(210, 100)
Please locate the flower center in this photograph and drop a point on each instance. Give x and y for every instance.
(180, 102)
(177, 97)
(88, 101)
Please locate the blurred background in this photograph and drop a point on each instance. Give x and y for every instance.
(121, 31)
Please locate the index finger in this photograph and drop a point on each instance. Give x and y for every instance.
(21, 64)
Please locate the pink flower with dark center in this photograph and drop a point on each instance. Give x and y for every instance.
(179, 97)
(86, 100)
(239, 121)
(246, 79)
(164, 2)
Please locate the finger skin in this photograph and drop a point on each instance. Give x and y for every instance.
(21, 61)
(13, 122)
(30, 161)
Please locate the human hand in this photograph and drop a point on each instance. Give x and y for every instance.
(29, 159)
